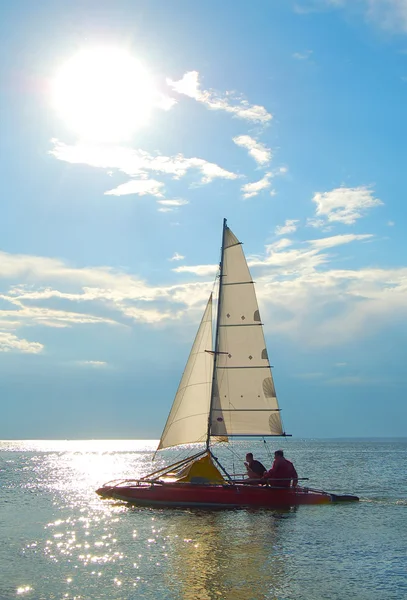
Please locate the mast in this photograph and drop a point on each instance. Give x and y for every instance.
(215, 360)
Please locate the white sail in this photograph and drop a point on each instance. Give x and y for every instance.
(188, 419)
(244, 399)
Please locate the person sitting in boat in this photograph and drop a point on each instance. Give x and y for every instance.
(282, 472)
(254, 468)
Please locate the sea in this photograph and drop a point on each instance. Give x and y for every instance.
(59, 540)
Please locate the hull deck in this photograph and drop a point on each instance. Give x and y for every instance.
(216, 496)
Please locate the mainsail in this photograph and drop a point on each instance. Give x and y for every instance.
(243, 396)
(188, 419)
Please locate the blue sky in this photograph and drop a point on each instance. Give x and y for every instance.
(288, 118)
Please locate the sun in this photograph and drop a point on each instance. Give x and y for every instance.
(104, 94)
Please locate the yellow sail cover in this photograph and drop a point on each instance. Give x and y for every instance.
(201, 470)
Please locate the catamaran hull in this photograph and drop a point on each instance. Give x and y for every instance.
(217, 496)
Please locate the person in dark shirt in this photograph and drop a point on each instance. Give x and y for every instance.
(282, 472)
(254, 468)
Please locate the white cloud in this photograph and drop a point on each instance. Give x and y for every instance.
(343, 205)
(137, 163)
(92, 363)
(165, 102)
(229, 102)
(51, 293)
(177, 256)
(290, 226)
(253, 189)
(338, 240)
(317, 223)
(286, 261)
(9, 342)
(301, 296)
(202, 270)
(257, 150)
(177, 202)
(280, 244)
(302, 55)
(187, 85)
(141, 187)
(389, 14)
(301, 259)
(171, 205)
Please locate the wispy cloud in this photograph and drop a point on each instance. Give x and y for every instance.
(9, 342)
(202, 270)
(230, 102)
(290, 226)
(141, 187)
(51, 293)
(343, 205)
(307, 257)
(389, 14)
(257, 150)
(318, 224)
(302, 55)
(138, 163)
(92, 363)
(175, 202)
(338, 240)
(252, 189)
(171, 205)
(300, 294)
(177, 256)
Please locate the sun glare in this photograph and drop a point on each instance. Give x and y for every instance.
(103, 94)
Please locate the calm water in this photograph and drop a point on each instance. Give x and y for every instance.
(58, 539)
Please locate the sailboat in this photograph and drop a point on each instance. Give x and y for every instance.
(226, 391)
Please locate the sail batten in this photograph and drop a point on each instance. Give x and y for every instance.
(244, 401)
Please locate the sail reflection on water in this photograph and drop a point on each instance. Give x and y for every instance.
(232, 555)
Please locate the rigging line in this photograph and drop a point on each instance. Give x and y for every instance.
(267, 448)
(233, 452)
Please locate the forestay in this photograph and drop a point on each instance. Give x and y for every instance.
(243, 398)
(188, 419)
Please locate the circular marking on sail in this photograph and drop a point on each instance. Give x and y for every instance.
(243, 317)
(268, 388)
(228, 315)
(274, 423)
(219, 419)
(229, 356)
(250, 357)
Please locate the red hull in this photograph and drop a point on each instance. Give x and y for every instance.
(216, 496)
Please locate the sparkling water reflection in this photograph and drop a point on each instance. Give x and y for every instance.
(58, 539)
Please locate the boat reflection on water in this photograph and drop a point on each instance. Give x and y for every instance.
(233, 555)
